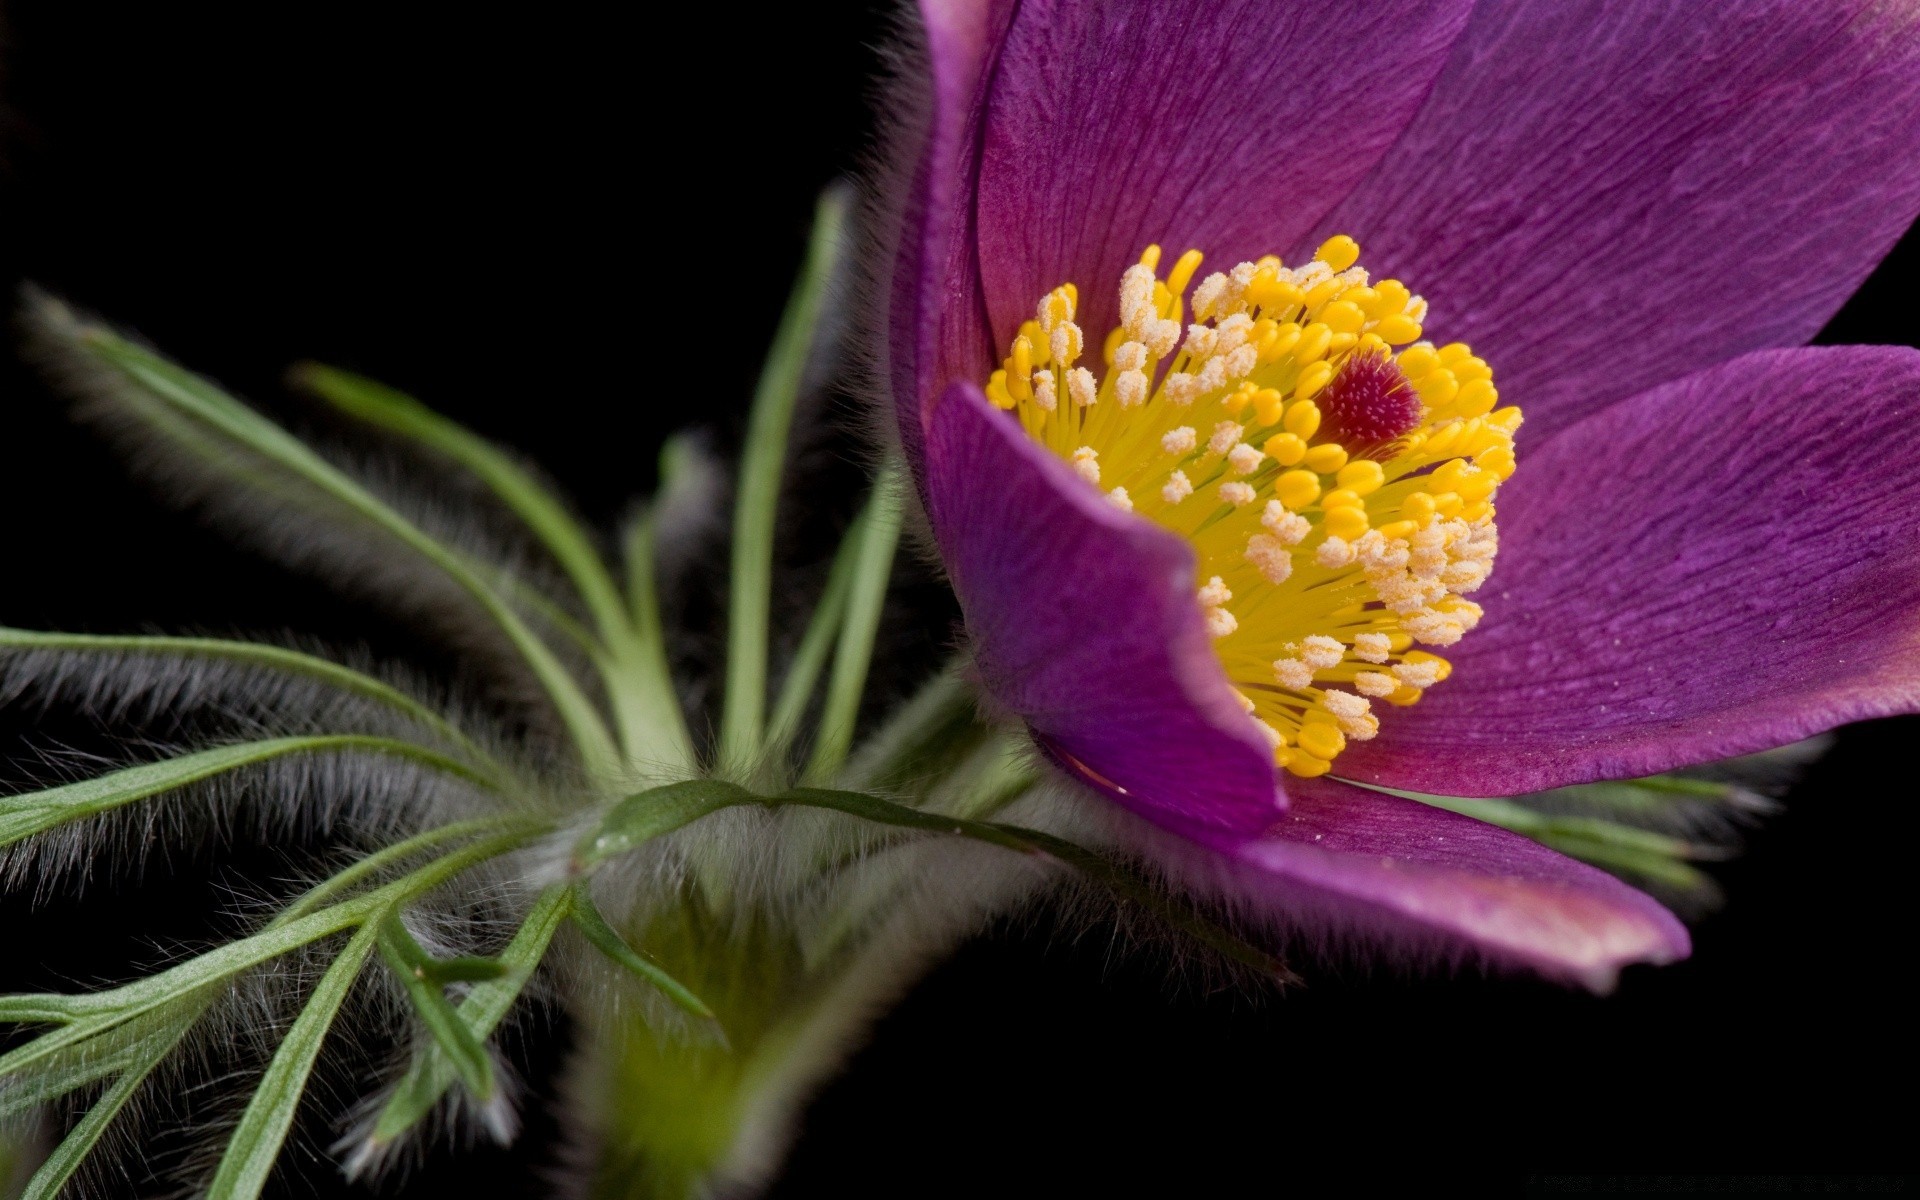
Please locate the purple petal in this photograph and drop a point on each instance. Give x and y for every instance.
(1083, 623)
(1720, 565)
(1347, 860)
(934, 311)
(1230, 126)
(1601, 198)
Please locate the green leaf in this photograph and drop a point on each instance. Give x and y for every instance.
(372, 864)
(666, 720)
(485, 1006)
(40, 1009)
(762, 463)
(645, 715)
(937, 726)
(133, 1068)
(255, 1143)
(395, 411)
(609, 942)
(1653, 859)
(28, 813)
(866, 598)
(803, 673)
(25, 1092)
(410, 962)
(252, 654)
(94, 1013)
(463, 968)
(649, 814)
(998, 772)
(186, 395)
(1122, 882)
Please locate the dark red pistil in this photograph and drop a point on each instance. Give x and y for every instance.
(1368, 403)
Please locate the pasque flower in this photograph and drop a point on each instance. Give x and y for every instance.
(1213, 557)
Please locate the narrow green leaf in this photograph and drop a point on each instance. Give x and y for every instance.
(998, 771)
(938, 724)
(1667, 871)
(485, 1006)
(411, 963)
(463, 968)
(255, 1143)
(22, 1094)
(254, 654)
(98, 1012)
(1594, 831)
(1648, 857)
(40, 1009)
(28, 813)
(134, 1067)
(191, 396)
(656, 811)
(397, 412)
(609, 942)
(803, 673)
(372, 864)
(762, 464)
(1122, 882)
(632, 688)
(866, 598)
(659, 735)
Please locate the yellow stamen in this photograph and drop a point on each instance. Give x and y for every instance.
(1335, 474)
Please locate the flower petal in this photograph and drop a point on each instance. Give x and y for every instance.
(1084, 623)
(934, 311)
(1605, 197)
(1345, 859)
(1719, 565)
(1231, 126)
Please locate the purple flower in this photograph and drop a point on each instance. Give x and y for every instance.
(1189, 553)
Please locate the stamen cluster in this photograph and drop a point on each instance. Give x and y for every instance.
(1334, 472)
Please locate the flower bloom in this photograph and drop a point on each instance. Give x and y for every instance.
(1214, 533)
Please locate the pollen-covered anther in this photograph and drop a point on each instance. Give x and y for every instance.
(1081, 387)
(1348, 469)
(1271, 557)
(1353, 713)
(1372, 647)
(1321, 652)
(1334, 552)
(1375, 683)
(1291, 672)
(1213, 598)
(1419, 674)
(1289, 528)
(1044, 396)
(1244, 459)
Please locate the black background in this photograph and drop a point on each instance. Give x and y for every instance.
(527, 220)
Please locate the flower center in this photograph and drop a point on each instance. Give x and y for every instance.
(1334, 473)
